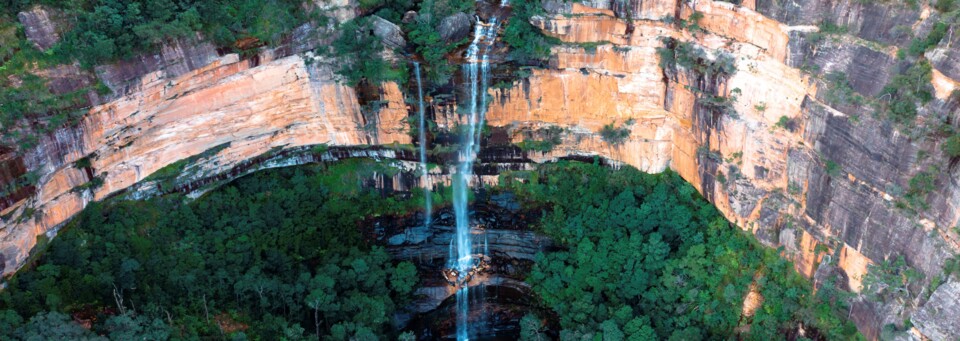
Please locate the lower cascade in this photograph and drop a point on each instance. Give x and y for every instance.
(479, 170)
(463, 262)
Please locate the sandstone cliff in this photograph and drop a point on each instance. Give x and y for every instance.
(801, 170)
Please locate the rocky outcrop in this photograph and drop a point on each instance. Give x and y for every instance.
(178, 58)
(938, 318)
(794, 165)
(39, 27)
(283, 103)
(455, 27)
(786, 160)
(389, 33)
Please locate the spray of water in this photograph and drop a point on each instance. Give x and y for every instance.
(425, 178)
(477, 73)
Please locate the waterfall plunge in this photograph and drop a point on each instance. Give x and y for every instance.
(425, 178)
(476, 71)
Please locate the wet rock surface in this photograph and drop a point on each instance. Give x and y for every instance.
(273, 101)
(502, 238)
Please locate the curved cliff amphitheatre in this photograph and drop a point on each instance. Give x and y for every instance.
(461, 169)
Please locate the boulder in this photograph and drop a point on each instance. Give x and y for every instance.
(455, 27)
(388, 32)
(409, 17)
(339, 10)
(39, 27)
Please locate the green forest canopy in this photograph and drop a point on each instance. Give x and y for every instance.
(645, 257)
(279, 254)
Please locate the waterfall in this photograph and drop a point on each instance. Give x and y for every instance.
(476, 72)
(425, 179)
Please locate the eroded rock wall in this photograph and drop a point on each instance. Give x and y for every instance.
(823, 180)
(250, 110)
(819, 177)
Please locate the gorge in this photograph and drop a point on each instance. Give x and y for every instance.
(822, 128)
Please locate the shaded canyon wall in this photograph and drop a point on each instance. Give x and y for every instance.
(800, 172)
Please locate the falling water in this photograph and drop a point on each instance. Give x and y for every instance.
(428, 200)
(476, 72)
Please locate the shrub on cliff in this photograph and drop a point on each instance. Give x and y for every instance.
(951, 146)
(424, 34)
(359, 55)
(614, 135)
(906, 90)
(529, 44)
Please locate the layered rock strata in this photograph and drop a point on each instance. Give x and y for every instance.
(820, 177)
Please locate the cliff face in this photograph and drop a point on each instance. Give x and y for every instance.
(795, 166)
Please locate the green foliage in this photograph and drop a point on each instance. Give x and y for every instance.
(424, 36)
(102, 31)
(528, 43)
(951, 146)
(693, 23)
(688, 56)
(890, 280)
(166, 177)
(839, 91)
(785, 123)
(832, 168)
(945, 6)
(591, 47)
(531, 328)
(106, 30)
(644, 256)
(918, 46)
(278, 252)
(906, 91)
(83, 162)
(614, 135)
(921, 184)
(550, 137)
(358, 53)
(761, 107)
(720, 104)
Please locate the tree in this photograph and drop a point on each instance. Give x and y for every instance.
(54, 326)
(531, 328)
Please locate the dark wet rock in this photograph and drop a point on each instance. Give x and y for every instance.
(744, 196)
(557, 6)
(455, 27)
(40, 27)
(507, 201)
(873, 151)
(862, 218)
(388, 32)
(174, 59)
(65, 78)
(938, 318)
(769, 220)
(881, 22)
(867, 70)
